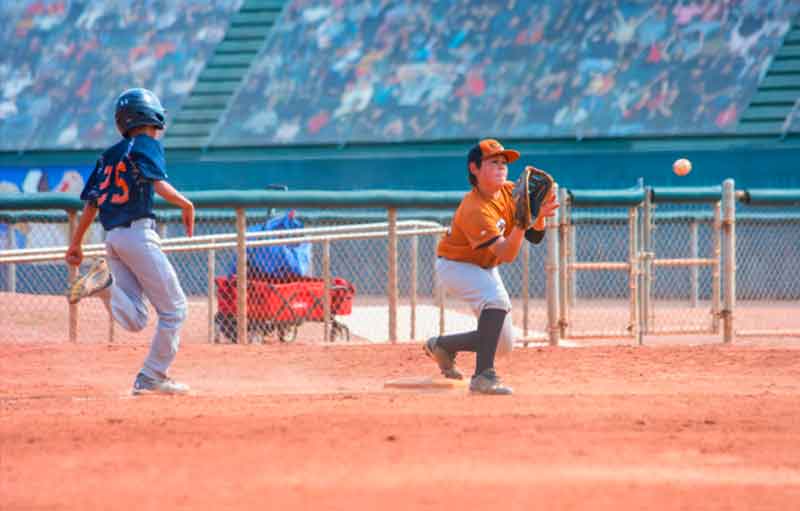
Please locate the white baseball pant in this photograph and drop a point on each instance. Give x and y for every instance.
(481, 289)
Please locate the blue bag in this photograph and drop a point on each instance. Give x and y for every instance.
(278, 261)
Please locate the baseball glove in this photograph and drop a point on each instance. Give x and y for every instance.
(530, 191)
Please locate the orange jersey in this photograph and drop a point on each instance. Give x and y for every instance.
(477, 221)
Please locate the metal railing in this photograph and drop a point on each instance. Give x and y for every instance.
(621, 264)
(230, 250)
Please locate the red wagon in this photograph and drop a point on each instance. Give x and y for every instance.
(281, 306)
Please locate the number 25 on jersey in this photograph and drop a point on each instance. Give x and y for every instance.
(118, 197)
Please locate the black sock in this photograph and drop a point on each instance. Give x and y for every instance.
(490, 324)
(466, 341)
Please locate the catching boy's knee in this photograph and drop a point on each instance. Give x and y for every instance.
(505, 345)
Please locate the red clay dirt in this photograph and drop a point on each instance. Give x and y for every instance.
(310, 426)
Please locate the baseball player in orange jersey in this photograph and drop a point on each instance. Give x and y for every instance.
(482, 236)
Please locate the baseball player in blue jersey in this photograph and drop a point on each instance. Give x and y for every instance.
(121, 189)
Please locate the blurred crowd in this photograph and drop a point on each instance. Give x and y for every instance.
(392, 70)
(372, 70)
(64, 62)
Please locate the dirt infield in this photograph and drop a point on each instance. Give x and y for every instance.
(310, 426)
(34, 317)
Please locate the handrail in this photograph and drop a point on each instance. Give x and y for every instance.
(223, 241)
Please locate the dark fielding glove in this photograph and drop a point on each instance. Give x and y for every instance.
(531, 190)
(521, 197)
(534, 236)
(540, 186)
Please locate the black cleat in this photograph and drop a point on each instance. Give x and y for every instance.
(488, 383)
(444, 359)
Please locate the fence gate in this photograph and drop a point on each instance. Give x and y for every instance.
(681, 261)
(647, 261)
(599, 264)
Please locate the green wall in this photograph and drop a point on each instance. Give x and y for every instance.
(441, 166)
(750, 168)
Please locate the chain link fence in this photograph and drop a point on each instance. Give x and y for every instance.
(596, 263)
(642, 266)
(767, 265)
(625, 270)
(681, 271)
(279, 309)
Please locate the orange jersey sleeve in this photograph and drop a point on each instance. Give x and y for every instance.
(476, 222)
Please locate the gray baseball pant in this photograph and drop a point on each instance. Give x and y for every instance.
(142, 271)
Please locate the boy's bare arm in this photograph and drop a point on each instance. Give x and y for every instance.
(506, 249)
(173, 196)
(74, 254)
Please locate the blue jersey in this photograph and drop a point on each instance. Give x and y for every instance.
(121, 185)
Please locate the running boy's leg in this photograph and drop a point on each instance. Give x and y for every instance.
(139, 248)
(125, 299)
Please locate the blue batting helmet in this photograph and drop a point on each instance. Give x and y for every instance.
(138, 107)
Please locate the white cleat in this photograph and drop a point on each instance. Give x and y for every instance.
(147, 385)
(92, 282)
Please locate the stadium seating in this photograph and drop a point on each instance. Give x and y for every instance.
(64, 62)
(369, 70)
(389, 71)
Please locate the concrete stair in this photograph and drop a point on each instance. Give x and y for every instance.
(247, 33)
(778, 94)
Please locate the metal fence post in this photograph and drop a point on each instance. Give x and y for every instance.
(553, 228)
(694, 253)
(648, 251)
(572, 257)
(564, 256)
(413, 290)
(241, 277)
(72, 273)
(633, 274)
(729, 258)
(716, 269)
(11, 268)
(438, 291)
(526, 292)
(326, 278)
(212, 295)
(392, 284)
